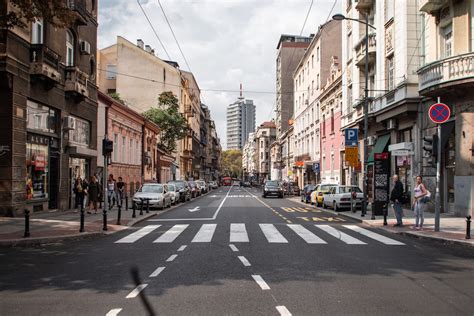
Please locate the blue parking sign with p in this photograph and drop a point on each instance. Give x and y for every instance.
(351, 137)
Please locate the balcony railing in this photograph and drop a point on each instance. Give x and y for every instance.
(44, 63)
(360, 50)
(446, 72)
(76, 82)
(79, 6)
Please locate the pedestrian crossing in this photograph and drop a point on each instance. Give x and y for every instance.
(274, 234)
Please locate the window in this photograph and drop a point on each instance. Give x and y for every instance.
(332, 120)
(323, 126)
(40, 118)
(115, 147)
(390, 73)
(37, 32)
(81, 135)
(37, 170)
(123, 149)
(317, 81)
(164, 74)
(69, 48)
(317, 54)
(312, 87)
(111, 71)
(312, 61)
(447, 33)
(130, 155)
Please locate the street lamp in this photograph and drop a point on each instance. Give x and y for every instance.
(340, 17)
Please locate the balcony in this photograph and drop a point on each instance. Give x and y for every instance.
(79, 8)
(45, 64)
(360, 51)
(364, 5)
(432, 6)
(75, 83)
(446, 73)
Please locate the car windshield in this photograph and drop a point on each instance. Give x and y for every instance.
(152, 188)
(171, 187)
(271, 183)
(325, 187)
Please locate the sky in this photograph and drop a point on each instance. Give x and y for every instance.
(225, 42)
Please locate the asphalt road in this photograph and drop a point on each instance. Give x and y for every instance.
(232, 252)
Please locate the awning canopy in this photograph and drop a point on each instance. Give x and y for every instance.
(379, 147)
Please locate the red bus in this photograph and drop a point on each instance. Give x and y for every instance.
(227, 181)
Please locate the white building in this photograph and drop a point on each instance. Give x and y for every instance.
(240, 122)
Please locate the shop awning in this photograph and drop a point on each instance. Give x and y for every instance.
(379, 147)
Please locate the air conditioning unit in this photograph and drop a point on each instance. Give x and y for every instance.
(85, 47)
(391, 124)
(69, 123)
(371, 140)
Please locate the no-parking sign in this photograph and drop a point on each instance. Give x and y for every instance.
(439, 113)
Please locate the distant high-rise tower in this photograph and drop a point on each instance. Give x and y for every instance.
(240, 122)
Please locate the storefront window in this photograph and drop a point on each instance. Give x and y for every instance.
(37, 171)
(40, 118)
(81, 134)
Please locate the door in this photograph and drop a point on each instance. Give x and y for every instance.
(53, 181)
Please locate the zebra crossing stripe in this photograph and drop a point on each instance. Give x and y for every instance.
(375, 236)
(238, 233)
(205, 233)
(307, 236)
(133, 237)
(340, 235)
(272, 234)
(171, 234)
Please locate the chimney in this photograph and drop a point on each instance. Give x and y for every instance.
(140, 43)
(148, 48)
(153, 52)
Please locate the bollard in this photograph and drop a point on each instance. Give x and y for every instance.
(119, 215)
(27, 223)
(141, 206)
(81, 228)
(134, 209)
(126, 202)
(104, 214)
(468, 227)
(148, 206)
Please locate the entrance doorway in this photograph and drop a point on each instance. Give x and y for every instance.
(78, 167)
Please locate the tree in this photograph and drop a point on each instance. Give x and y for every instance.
(172, 124)
(232, 163)
(116, 97)
(23, 12)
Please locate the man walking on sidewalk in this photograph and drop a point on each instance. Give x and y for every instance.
(396, 197)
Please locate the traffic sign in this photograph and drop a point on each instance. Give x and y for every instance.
(352, 156)
(439, 113)
(351, 137)
(316, 167)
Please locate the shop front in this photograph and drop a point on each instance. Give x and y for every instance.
(402, 160)
(37, 171)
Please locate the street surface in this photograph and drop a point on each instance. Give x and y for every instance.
(232, 252)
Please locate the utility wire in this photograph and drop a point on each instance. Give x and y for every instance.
(154, 31)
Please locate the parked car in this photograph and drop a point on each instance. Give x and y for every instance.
(183, 189)
(318, 194)
(204, 186)
(339, 196)
(291, 188)
(272, 187)
(213, 184)
(174, 192)
(157, 194)
(306, 193)
(195, 189)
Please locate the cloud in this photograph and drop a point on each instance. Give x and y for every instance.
(226, 42)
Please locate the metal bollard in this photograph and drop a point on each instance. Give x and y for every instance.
(126, 202)
(141, 206)
(134, 209)
(104, 215)
(27, 223)
(468, 227)
(81, 228)
(119, 215)
(148, 206)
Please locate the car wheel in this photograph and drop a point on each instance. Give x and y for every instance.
(162, 206)
(334, 206)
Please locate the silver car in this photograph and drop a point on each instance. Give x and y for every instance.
(157, 193)
(175, 197)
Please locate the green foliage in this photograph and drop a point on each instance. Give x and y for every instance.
(172, 124)
(116, 97)
(231, 163)
(24, 12)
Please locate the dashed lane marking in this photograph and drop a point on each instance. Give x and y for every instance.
(244, 261)
(234, 248)
(263, 285)
(157, 272)
(283, 310)
(134, 293)
(182, 248)
(171, 258)
(114, 312)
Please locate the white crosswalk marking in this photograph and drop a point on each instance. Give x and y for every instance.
(340, 235)
(205, 233)
(171, 234)
(238, 233)
(133, 237)
(308, 236)
(272, 234)
(375, 236)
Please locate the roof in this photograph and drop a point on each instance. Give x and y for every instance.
(268, 124)
(293, 38)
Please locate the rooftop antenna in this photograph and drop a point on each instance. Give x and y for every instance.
(241, 97)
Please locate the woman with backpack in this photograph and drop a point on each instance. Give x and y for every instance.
(419, 203)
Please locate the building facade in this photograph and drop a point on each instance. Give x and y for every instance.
(264, 137)
(240, 122)
(49, 113)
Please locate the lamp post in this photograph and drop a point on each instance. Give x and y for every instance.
(340, 17)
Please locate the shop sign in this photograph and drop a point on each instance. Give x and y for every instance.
(402, 152)
(37, 139)
(381, 183)
(39, 162)
(299, 163)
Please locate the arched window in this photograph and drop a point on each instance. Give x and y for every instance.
(69, 48)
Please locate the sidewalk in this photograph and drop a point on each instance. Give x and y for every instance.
(452, 229)
(55, 226)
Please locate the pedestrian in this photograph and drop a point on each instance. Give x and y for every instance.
(111, 191)
(94, 189)
(78, 192)
(120, 190)
(419, 202)
(85, 190)
(396, 197)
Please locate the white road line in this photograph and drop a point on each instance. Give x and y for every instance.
(340, 235)
(263, 285)
(244, 261)
(171, 234)
(171, 258)
(113, 312)
(220, 205)
(375, 236)
(182, 248)
(157, 272)
(142, 232)
(234, 248)
(136, 291)
(283, 310)
(238, 233)
(205, 233)
(308, 236)
(272, 234)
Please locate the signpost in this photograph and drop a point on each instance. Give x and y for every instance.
(439, 113)
(352, 156)
(351, 139)
(381, 185)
